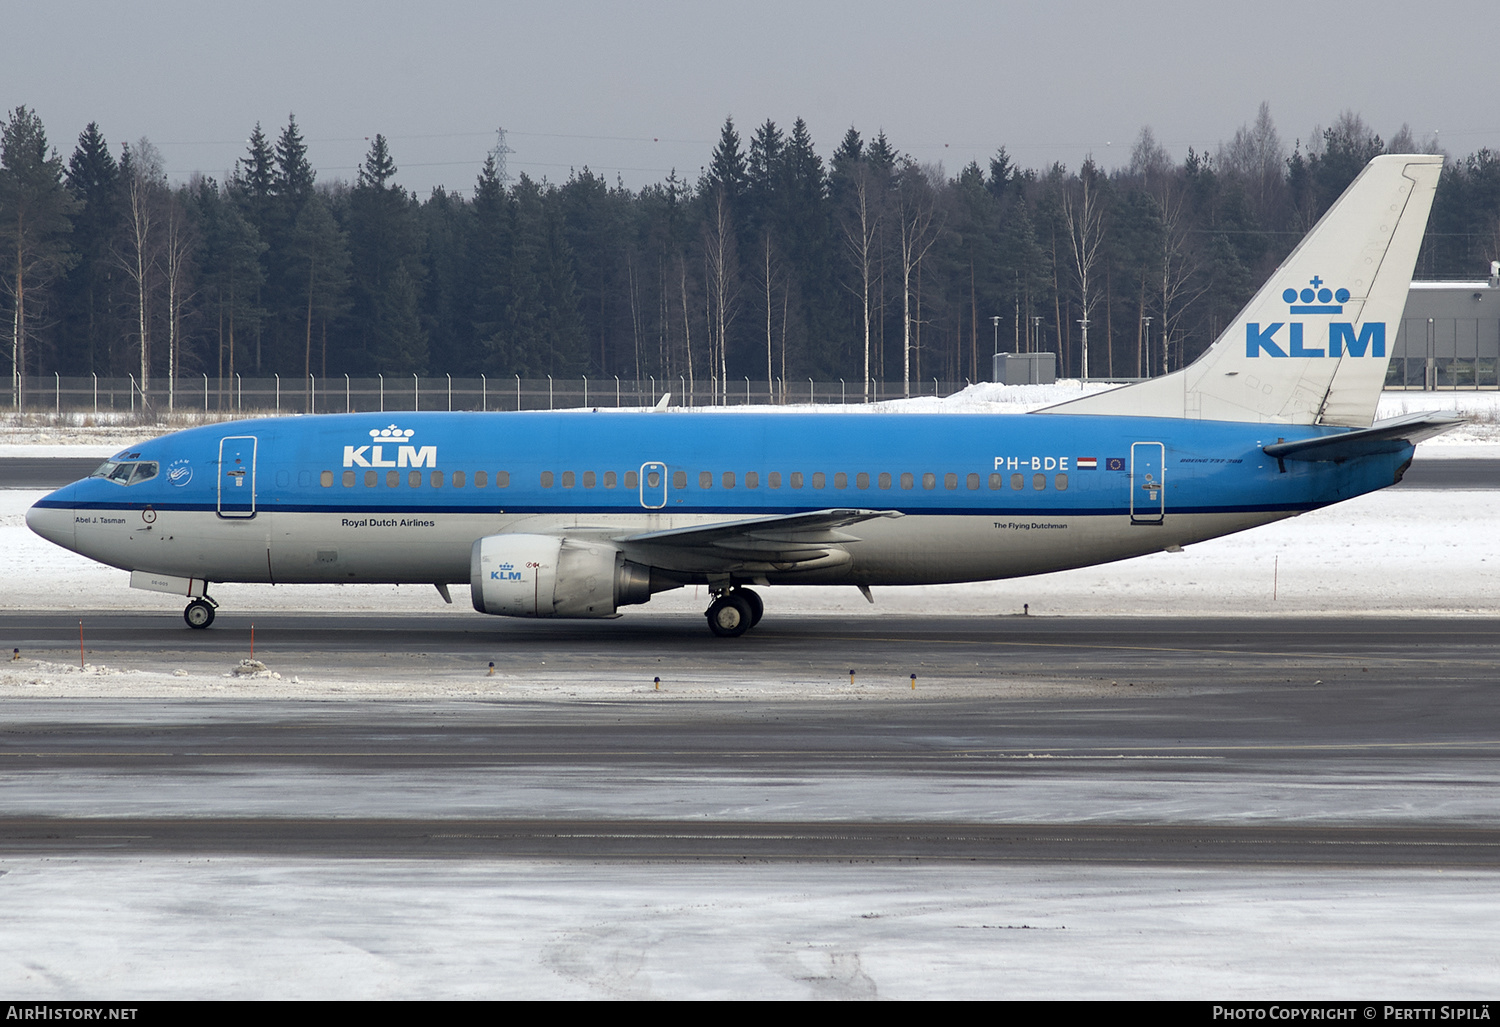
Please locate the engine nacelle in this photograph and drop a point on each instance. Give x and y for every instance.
(548, 576)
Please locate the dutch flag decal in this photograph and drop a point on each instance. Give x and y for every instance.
(1086, 463)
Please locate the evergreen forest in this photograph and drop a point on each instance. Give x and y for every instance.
(775, 265)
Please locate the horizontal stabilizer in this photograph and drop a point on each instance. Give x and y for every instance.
(1381, 437)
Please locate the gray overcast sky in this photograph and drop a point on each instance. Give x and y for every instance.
(636, 89)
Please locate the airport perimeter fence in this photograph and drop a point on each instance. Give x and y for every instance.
(239, 395)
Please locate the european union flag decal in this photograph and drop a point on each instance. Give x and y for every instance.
(1114, 463)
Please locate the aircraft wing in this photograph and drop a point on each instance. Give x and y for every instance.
(1381, 437)
(767, 543)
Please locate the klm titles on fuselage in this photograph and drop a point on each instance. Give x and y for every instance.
(406, 455)
(1369, 340)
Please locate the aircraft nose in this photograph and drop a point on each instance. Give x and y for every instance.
(52, 518)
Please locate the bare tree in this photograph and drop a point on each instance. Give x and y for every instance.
(140, 255)
(177, 247)
(723, 284)
(861, 231)
(917, 212)
(1083, 213)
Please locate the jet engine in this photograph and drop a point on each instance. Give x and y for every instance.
(551, 576)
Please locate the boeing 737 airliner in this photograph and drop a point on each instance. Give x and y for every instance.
(576, 514)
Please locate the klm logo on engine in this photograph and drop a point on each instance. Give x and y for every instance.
(386, 443)
(506, 572)
(1369, 340)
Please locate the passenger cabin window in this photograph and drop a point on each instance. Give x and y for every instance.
(728, 479)
(862, 480)
(348, 479)
(950, 481)
(1039, 481)
(773, 480)
(546, 479)
(632, 480)
(997, 481)
(929, 481)
(326, 479)
(567, 481)
(481, 479)
(458, 479)
(414, 479)
(437, 479)
(752, 480)
(679, 480)
(610, 481)
(1061, 481)
(819, 480)
(840, 480)
(705, 479)
(884, 481)
(502, 479)
(392, 479)
(370, 477)
(973, 481)
(1017, 482)
(797, 480)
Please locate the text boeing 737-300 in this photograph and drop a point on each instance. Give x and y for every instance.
(576, 514)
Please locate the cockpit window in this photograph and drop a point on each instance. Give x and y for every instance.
(127, 472)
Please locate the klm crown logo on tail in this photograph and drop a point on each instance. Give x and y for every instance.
(1316, 298)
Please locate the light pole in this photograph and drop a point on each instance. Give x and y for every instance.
(1138, 372)
(1083, 323)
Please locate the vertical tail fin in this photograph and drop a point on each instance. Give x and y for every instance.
(1312, 346)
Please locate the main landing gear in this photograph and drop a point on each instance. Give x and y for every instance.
(200, 613)
(734, 612)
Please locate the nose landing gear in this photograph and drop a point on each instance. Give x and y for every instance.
(734, 612)
(200, 613)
